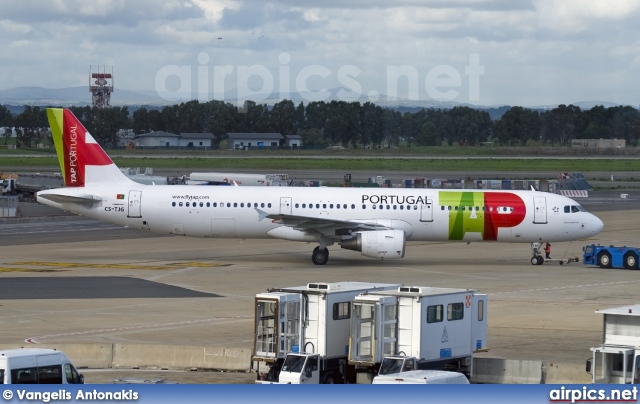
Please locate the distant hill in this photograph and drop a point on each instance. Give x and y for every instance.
(70, 96)
(16, 98)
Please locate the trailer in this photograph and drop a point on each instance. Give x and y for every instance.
(302, 333)
(416, 328)
(538, 259)
(617, 360)
(611, 256)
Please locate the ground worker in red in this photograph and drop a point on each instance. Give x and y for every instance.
(547, 250)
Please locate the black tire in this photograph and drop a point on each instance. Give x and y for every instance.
(328, 378)
(630, 261)
(320, 256)
(540, 260)
(561, 262)
(604, 259)
(534, 260)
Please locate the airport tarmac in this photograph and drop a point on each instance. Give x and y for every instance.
(535, 312)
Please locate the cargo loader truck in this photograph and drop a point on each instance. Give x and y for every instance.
(302, 333)
(416, 328)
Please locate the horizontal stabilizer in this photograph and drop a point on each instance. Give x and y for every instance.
(60, 198)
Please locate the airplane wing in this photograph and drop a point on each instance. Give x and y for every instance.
(328, 227)
(61, 198)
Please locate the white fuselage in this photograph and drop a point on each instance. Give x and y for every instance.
(423, 214)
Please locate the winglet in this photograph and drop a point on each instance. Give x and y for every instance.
(82, 160)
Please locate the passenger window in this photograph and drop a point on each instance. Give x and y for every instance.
(353, 206)
(434, 313)
(201, 204)
(341, 311)
(173, 204)
(324, 206)
(72, 374)
(23, 376)
(363, 206)
(262, 205)
(448, 207)
(208, 204)
(442, 207)
(187, 204)
(180, 204)
(235, 204)
(374, 206)
(50, 374)
(455, 311)
(345, 206)
(296, 206)
(317, 206)
(331, 206)
(269, 205)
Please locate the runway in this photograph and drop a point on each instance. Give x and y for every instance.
(535, 312)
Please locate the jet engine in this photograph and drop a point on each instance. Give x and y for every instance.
(383, 244)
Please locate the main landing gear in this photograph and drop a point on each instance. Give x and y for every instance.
(320, 256)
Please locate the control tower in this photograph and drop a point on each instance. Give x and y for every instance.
(101, 85)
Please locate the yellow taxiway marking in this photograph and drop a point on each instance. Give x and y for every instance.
(120, 266)
(199, 264)
(2, 269)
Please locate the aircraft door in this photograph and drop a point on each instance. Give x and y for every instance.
(539, 210)
(134, 204)
(285, 206)
(426, 211)
(311, 371)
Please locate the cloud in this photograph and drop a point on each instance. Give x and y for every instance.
(533, 51)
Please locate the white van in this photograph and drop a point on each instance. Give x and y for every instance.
(37, 366)
(422, 377)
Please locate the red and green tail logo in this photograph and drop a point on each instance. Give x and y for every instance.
(75, 147)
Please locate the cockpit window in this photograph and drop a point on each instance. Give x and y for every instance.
(573, 209)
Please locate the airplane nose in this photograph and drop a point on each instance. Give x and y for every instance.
(596, 225)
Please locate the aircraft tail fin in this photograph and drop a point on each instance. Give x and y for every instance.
(82, 161)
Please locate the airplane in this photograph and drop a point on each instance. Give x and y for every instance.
(377, 222)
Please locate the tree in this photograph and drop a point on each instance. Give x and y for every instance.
(517, 126)
(31, 125)
(141, 121)
(625, 124)
(6, 121)
(561, 124)
(391, 126)
(282, 118)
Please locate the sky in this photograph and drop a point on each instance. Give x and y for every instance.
(483, 52)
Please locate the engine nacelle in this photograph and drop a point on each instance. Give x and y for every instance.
(383, 244)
